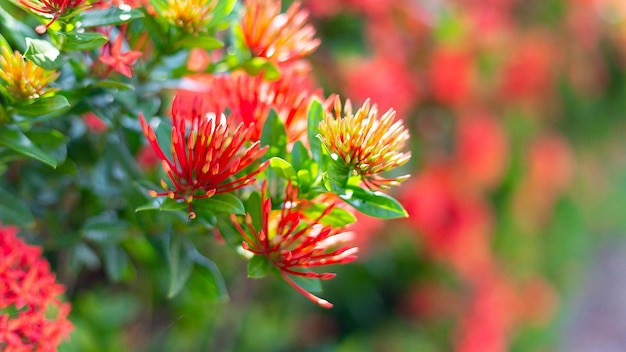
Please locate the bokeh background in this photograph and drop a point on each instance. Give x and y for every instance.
(517, 114)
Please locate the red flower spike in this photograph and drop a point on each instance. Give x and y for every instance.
(293, 243)
(53, 8)
(205, 154)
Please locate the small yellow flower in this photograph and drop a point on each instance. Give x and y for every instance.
(22, 79)
(366, 143)
(192, 16)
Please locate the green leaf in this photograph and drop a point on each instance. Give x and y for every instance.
(283, 168)
(43, 54)
(115, 262)
(203, 42)
(84, 41)
(112, 84)
(258, 266)
(105, 229)
(315, 116)
(53, 141)
(44, 106)
(163, 204)
(13, 211)
(275, 136)
(220, 203)
(108, 17)
(376, 204)
(336, 179)
(300, 158)
(229, 232)
(213, 281)
(15, 30)
(253, 207)
(180, 264)
(259, 65)
(19, 142)
(336, 218)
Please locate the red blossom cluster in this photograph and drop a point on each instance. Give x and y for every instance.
(32, 316)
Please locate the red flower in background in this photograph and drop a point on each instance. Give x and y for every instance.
(294, 244)
(94, 123)
(249, 99)
(205, 154)
(278, 37)
(31, 315)
(481, 149)
(451, 76)
(453, 223)
(392, 83)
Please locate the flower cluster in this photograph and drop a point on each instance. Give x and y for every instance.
(22, 79)
(366, 143)
(294, 244)
(206, 152)
(32, 317)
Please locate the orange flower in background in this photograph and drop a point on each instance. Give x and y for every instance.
(294, 244)
(365, 142)
(22, 79)
(53, 8)
(192, 16)
(278, 37)
(32, 318)
(206, 152)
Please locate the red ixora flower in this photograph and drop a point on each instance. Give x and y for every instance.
(32, 318)
(205, 154)
(53, 8)
(293, 243)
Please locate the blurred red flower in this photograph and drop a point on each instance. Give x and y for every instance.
(94, 123)
(32, 317)
(451, 76)
(453, 223)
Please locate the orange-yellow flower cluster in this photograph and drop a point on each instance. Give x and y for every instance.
(22, 79)
(365, 142)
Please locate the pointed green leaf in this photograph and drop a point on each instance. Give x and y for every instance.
(253, 207)
(16, 140)
(275, 136)
(315, 116)
(283, 168)
(213, 284)
(336, 218)
(229, 232)
(220, 203)
(376, 204)
(84, 41)
(13, 211)
(108, 17)
(115, 262)
(163, 204)
(336, 179)
(180, 264)
(258, 266)
(44, 106)
(203, 42)
(43, 54)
